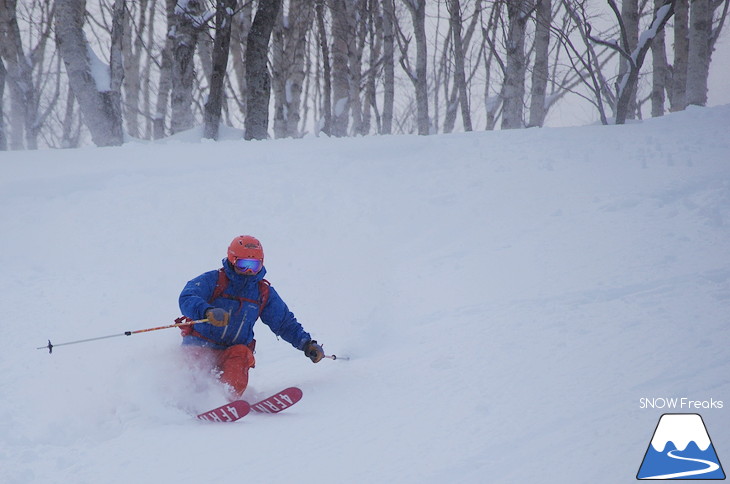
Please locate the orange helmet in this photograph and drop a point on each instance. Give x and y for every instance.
(245, 247)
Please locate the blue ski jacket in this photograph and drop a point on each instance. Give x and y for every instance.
(194, 302)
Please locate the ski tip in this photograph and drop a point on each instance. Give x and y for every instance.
(278, 401)
(294, 392)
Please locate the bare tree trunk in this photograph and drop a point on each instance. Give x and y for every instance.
(454, 8)
(146, 81)
(99, 106)
(698, 66)
(116, 62)
(279, 72)
(163, 90)
(660, 70)
(630, 18)
(420, 78)
(133, 46)
(20, 74)
(68, 140)
(205, 52)
(183, 25)
(303, 15)
(223, 20)
(538, 106)
(357, 24)
(258, 79)
(131, 81)
(340, 75)
(3, 138)
(375, 41)
(515, 65)
(492, 103)
(627, 82)
(239, 32)
(388, 65)
(678, 98)
(327, 75)
(289, 45)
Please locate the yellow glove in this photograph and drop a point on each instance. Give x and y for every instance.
(218, 317)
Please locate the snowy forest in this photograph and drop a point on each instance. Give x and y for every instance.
(74, 72)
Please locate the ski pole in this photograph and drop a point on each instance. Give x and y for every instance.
(335, 357)
(178, 322)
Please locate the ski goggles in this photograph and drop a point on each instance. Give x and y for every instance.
(252, 265)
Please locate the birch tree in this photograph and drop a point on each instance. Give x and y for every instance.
(325, 123)
(629, 27)
(71, 124)
(19, 73)
(373, 38)
(454, 8)
(132, 51)
(258, 79)
(89, 78)
(341, 37)
(699, 51)
(388, 65)
(678, 97)
(242, 19)
(289, 46)
(357, 15)
(185, 19)
(697, 26)
(164, 87)
(419, 76)
(627, 82)
(518, 13)
(3, 137)
(223, 21)
(540, 70)
(660, 70)
(24, 70)
(492, 102)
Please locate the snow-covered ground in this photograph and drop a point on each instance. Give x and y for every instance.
(507, 299)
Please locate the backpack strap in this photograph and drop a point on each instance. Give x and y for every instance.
(263, 294)
(222, 284)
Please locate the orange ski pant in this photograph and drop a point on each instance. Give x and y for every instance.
(233, 364)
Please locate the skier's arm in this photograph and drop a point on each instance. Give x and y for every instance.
(194, 296)
(283, 323)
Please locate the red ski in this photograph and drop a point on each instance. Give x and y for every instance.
(230, 412)
(279, 401)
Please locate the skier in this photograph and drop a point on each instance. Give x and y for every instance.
(233, 298)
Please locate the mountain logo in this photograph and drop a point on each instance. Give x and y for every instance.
(681, 449)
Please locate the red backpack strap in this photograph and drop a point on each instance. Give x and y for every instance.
(220, 286)
(263, 294)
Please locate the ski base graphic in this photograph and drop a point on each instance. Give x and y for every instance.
(279, 401)
(230, 412)
(236, 410)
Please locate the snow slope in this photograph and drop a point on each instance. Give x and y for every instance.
(507, 299)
